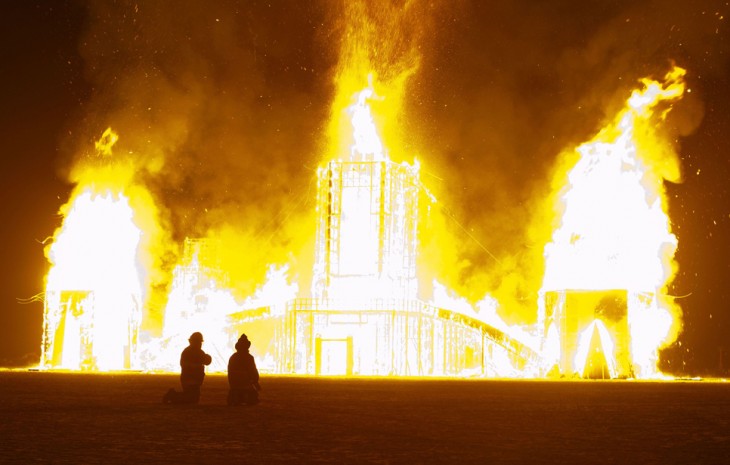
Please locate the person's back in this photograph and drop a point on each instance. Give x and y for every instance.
(243, 376)
(242, 371)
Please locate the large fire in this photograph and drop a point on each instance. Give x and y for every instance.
(601, 307)
(615, 234)
(94, 264)
(94, 288)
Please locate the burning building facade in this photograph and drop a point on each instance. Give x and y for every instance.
(593, 329)
(366, 231)
(364, 316)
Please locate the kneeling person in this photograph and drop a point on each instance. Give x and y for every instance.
(192, 372)
(243, 376)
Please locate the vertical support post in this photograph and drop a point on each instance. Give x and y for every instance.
(318, 356)
(348, 370)
(383, 172)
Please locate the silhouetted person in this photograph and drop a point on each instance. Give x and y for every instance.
(243, 376)
(192, 373)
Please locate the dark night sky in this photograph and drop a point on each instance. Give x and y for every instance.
(232, 100)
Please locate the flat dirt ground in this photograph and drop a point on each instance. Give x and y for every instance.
(119, 418)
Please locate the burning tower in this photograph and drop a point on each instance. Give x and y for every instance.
(364, 316)
(367, 215)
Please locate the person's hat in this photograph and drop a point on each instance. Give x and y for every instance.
(196, 336)
(243, 343)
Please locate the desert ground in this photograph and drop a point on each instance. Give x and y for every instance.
(52, 417)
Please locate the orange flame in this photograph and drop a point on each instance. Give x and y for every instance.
(96, 251)
(614, 231)
(102, 264)
(367, 141)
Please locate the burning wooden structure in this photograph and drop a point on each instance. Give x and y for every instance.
(365, 317)
(602, 308)
(593, 328)
(93, 299)
(78, 333)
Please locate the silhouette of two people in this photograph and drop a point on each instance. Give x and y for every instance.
(192, 372)
(243, 376)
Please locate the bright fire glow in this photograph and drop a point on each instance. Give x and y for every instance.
(365, 316)
(500, 365)
(371, 204)
(100, 261)
(201, 300)
(96, 251)
(197, 302)
(583, 352)
(367, 143)
(614, 231)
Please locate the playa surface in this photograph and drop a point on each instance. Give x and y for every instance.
(119, 418)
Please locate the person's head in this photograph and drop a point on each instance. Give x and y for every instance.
(196, 339)
(243, 343)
